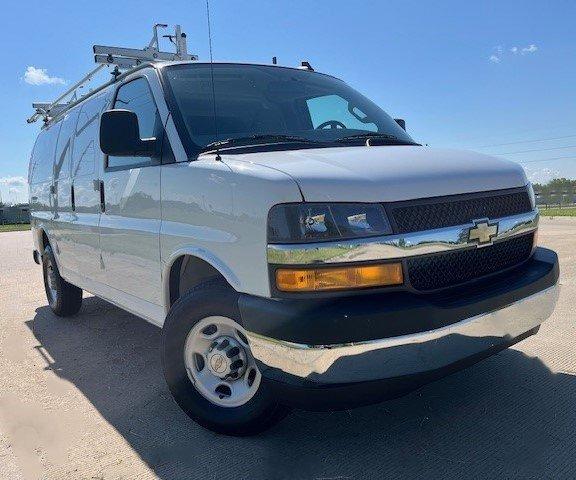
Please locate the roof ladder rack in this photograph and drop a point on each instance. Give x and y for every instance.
(122, 58)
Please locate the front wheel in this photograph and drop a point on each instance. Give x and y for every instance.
(209, 367)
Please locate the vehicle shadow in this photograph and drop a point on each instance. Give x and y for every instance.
(507, 417)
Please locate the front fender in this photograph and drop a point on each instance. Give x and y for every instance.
(203, 254)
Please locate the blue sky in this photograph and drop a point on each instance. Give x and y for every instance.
(493, 76)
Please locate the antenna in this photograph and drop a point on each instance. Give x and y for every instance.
(218, 158)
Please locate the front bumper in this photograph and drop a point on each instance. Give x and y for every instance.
(383, 345)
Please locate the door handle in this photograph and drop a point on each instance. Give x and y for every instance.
(72, 198)
(102, 197)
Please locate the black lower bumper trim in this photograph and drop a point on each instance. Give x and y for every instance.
(329, 321)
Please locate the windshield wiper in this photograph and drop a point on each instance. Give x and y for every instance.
(254, 140)
(385, 138)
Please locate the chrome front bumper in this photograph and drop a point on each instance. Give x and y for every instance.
(393, 247)
(407, 354)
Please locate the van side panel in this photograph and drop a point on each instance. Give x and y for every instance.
(41, 179)
(129, 232)
(87, 164)
(130, 223)
(63, 187)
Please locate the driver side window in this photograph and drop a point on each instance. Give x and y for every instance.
(137, 97)
(334, 110)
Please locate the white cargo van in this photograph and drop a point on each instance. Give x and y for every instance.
(296, 246)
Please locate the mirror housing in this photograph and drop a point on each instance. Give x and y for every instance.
(120, 135)
(401, 122)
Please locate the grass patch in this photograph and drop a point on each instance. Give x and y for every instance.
(558, 212)
(18, 227)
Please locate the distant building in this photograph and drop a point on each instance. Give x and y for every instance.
(14, 213)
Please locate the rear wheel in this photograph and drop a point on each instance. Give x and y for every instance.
(209, 367)
(64, 298)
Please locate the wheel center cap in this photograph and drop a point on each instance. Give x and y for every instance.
(218, 363)
(226, 358)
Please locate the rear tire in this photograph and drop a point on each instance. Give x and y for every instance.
(64, 298)
(207, 320)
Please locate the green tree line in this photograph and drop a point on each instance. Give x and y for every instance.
(556, 191)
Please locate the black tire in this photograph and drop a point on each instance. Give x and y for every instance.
(213, 298)
(64, 298)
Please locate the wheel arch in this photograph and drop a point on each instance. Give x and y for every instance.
(42, 239)
(190, 266)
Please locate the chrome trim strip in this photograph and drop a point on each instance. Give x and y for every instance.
(396, 246)
(406, 354)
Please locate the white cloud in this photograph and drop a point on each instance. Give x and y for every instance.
(500, 53)
(13, 181)
(13, 190)
(529, 49)
(39, 76)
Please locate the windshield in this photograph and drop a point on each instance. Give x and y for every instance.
(267, 104)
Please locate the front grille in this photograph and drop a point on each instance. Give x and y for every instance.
(443, 270)
(415, 216)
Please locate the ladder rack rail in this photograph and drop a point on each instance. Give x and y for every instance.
(131, 59)
(68, 106)
(44, 109)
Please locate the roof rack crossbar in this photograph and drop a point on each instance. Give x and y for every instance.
(124, 58)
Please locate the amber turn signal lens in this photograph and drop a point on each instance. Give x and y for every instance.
(341, 278)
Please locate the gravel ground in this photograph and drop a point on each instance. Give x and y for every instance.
(84, 398)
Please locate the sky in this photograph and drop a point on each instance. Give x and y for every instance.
(495, 77)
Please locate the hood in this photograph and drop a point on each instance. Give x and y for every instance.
(389, 173)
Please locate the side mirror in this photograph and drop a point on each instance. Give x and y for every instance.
(401, 122)
(120, 135)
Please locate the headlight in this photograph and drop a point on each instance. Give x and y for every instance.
(313, 222)
(532, 195)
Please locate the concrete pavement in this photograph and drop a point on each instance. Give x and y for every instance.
(84, 398)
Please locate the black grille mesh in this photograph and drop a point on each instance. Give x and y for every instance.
(457, 211)
(443, 270)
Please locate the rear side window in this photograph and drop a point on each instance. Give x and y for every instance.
(42, 168)
(137, 97)
(64, 148)
(86, 147)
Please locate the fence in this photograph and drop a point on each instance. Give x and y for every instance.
(14, 214)
(556, 199)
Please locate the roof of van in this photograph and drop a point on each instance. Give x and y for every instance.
(163, 63)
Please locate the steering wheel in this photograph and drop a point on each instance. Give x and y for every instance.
(332, 124)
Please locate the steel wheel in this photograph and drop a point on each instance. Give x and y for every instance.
(219, 362)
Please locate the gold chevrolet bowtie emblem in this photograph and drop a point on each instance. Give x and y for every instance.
(482, 232)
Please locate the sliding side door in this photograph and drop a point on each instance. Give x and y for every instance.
(87, 161)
